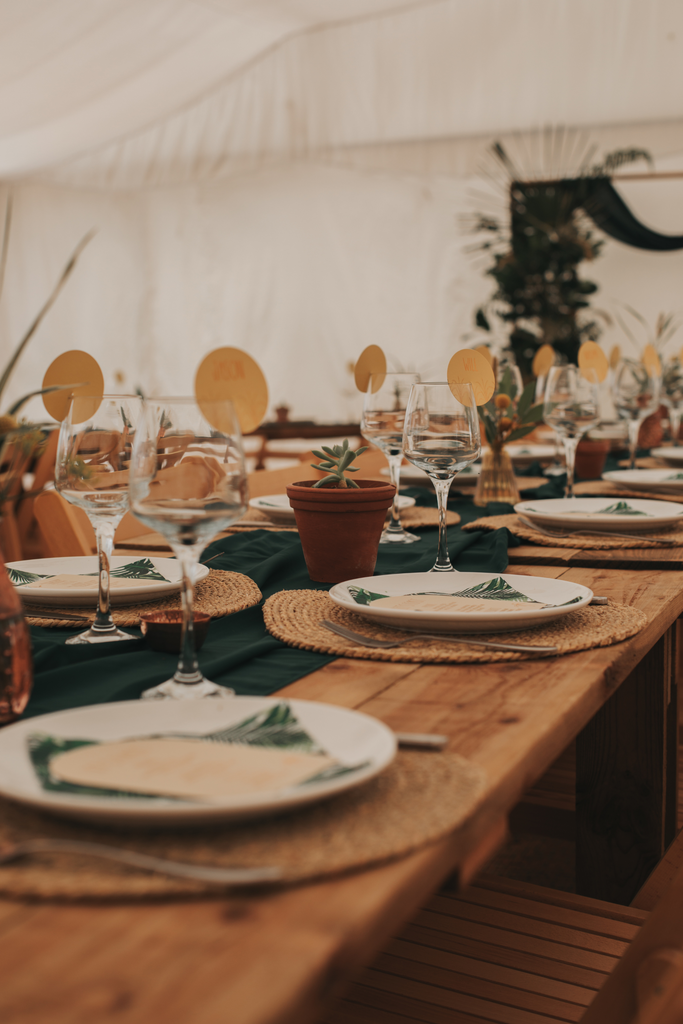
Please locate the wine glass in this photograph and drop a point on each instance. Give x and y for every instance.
(384, 409)
(188, 482)
(635, 395)
(441, 436)
(91, 471)
(672, 395)
(571, 406)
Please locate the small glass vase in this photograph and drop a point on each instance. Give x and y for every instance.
(497, 478)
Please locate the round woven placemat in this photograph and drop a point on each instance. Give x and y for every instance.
(420, 798)
(418, 517)
(295, 617)
(219, 593)
(582, 540)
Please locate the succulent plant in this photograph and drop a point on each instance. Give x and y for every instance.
(335, 462)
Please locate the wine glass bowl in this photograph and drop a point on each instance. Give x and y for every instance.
(672, 395)
(381, 424)
(571, 407)
(636, 395)
(188, 482)
(441, 436)
(91, 471)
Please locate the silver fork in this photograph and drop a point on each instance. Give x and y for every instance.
(201, 872)
(594, 533)
(367, 641)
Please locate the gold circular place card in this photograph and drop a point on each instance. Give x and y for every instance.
(591, 357)
(470, 367)
(614, 357)
(370, 363)
(485, 351)
(73, 368)
(231, 373)
(651, 361)
(543, 361)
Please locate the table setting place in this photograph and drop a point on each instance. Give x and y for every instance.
(126, 777)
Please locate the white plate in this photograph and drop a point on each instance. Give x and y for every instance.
(647, 479)
(352, 738)
(418, 477)
(673, 454)
(563, 597)
(635, 513)
(531, 452)
(85, 566)
(278, 509)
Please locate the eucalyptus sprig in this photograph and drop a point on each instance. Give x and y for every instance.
(335, 462)
(507, 417)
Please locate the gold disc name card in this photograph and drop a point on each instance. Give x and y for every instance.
(73, 368)
(651, 361)
(592, 358)
(615, 357)
(544, 360)
(370, 363)
(231, 373)
(471, 367)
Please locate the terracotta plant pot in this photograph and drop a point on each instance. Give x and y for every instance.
(590, 458)
(340, 527)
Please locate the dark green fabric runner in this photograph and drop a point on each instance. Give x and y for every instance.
(238, 651)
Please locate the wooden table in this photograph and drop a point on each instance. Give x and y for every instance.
(280, 959)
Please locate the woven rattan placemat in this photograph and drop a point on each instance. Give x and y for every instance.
(420, 798)
(295, 617)
(219, 593)
(418, 517)
(581, 540)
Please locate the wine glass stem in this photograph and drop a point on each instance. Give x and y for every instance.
(395, 476)
(104, 532)
(675, 423)
(187, 671)
(633, 431)
(570, 444)
(443, 562)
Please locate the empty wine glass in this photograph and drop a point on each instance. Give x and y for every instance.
(672, 395)
(441, 436)
(91, 471)
(384, 409)
(635, 395)
(571, 406)
(187, 480)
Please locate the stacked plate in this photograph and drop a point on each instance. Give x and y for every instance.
(648, 479)
(605, 514)
(279, 511)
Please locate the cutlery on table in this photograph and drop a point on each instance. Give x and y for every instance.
(428, 740)
(55, 615)
(594, 533)
(367, 641)
(201, 872)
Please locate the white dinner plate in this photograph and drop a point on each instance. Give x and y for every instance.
(619, 514)
(480, 601)
(278, 509)
(361, 745)
(412, 475)
(531, 452)
(672, 454)
(131, 578)
(647, 479)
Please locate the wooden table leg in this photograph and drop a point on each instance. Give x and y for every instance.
(626, 779)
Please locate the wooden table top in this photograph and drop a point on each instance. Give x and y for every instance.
(278, 959)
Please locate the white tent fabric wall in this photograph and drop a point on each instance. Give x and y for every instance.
(308, 205)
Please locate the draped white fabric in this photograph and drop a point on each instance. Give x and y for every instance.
(287, 175)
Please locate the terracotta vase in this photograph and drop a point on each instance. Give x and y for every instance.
(497, 480)
(590, 458)
(340, 527)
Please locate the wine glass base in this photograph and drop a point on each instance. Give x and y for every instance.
(443, 568)
(554, 471)
(398, 537)
(171, 690)
(100, 636)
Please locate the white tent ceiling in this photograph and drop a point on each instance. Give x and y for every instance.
(285, 175)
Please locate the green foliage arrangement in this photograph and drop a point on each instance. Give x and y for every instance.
(539, 293)
(335, 462)
(509, 416)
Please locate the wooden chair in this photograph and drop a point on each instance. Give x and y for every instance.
(506, 952)
(65, 529)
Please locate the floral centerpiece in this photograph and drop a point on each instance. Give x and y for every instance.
(507, 416)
